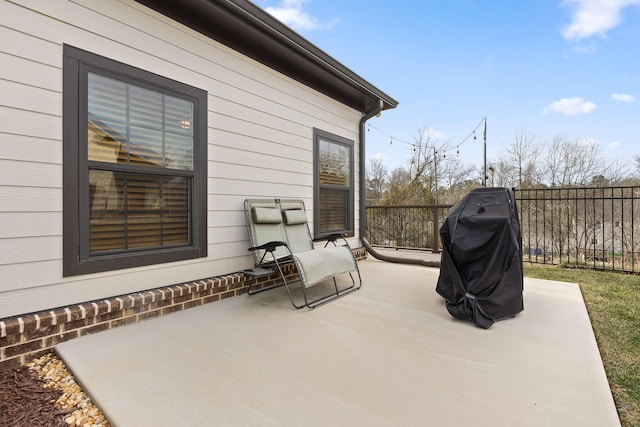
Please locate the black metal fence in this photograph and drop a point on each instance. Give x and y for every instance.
(406, 227)
(591, 227)
(595, 227)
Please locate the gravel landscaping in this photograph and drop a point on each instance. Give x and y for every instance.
(44, 393)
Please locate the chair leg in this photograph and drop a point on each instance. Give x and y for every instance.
(339, 293)
(310, 303)
(286, 285)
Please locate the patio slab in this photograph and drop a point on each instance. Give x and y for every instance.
(387, 355)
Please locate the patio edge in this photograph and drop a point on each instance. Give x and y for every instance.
(29, 336)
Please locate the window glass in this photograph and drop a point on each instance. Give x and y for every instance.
(334, 165)
(135, 163)
(333, 201)
(137, 126)
(129, 210)
(132, 124)
(334, 205)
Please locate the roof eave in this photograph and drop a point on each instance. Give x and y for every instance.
(246, 28)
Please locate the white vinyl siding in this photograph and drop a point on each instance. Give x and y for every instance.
(260, 141)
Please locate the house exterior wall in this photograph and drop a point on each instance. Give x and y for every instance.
(260, 142)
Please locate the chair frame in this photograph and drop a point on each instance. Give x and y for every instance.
(273, 259)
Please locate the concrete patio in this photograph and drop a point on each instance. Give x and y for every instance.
(387, 355)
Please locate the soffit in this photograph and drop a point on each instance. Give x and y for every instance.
(246, 28)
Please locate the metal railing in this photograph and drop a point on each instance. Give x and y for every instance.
(406, 227)
(591, 227)
(594, 227)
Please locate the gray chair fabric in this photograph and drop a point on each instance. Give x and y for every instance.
(279, 233)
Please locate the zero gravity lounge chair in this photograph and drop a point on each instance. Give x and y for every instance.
(279, 233)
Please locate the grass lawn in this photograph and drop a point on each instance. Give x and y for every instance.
(613, 303)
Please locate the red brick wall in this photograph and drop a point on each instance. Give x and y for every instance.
(26, 337)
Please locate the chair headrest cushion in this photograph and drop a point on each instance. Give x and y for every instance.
(266, 215)
(295, 216)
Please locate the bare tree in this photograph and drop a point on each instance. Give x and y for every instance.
(377, 176)
(397, 189)
(570, 163)
(458, 190)
(502, 173)
(422, 185)
(637, 160)
(616, 171)
(519, 166)
(451, 171)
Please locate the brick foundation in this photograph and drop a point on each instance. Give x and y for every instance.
(27, 337)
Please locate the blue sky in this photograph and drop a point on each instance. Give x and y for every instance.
(554, 68)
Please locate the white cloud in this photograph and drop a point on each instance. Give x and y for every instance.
(594, 17)
(379, 156)
(623, 97)
(571, 106)
(612, 146)
(290, 12)
(436, 134)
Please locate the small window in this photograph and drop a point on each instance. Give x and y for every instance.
(333, 176)
(134, 166)
(595, 225)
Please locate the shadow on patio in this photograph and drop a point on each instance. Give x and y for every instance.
(387, 355)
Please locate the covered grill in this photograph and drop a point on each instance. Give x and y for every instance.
(481, 267)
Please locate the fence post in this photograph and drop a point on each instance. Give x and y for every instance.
(436, 231)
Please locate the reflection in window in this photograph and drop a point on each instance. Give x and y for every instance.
(134, 125)
(140, 128)
(135, 166)
(333, 163)
(333, 200)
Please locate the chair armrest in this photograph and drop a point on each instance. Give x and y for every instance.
(269, 246)
(331, 238)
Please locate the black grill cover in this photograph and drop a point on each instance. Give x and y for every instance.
(481, 267)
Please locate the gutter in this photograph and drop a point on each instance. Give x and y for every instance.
(246, 28)
(363, 199)
(362, 225)
(305, 48)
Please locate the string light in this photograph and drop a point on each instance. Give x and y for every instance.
(392, 138)
(444, 150)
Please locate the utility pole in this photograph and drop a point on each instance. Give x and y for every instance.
(435, 171)
(484, 177)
